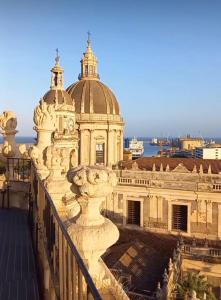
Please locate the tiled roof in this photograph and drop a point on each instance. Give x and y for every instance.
(92, 96)
(147, 163)
(142, 255)
(58, 96)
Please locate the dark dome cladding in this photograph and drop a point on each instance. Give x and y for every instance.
(58, 96)
(94, 96)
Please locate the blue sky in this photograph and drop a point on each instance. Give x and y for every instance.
(162, 59)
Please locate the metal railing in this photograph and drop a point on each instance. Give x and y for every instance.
(18, 169)
(68, 274)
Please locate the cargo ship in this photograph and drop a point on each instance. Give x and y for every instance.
(158, 142)
(136, 148)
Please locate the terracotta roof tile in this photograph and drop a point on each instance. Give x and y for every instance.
(148, 162)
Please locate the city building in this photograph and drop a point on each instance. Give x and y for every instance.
(190, 143)
(211, 152)
(103, 227)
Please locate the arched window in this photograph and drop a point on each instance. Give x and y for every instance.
(100, 153)
(86, 70)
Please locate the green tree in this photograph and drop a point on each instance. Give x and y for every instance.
(194, 282)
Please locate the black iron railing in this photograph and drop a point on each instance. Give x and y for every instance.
(70, 277)
(68, 274)
(18, 169)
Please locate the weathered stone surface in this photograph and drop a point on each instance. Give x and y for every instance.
(92, 233)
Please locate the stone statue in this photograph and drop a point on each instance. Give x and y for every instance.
(92, 233)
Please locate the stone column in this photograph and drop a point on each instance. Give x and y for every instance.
(81, 158)
(122, 144)
(219, 221)
(92, 233)
(114, 146)
(92, 147)
(110, 153)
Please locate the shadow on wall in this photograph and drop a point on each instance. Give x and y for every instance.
(113, 216)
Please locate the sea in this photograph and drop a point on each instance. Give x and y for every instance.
(149, 150)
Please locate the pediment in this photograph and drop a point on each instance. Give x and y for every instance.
(181, 169)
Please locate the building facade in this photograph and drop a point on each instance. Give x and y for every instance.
(208, 152)
(167, 195)
(188, 143)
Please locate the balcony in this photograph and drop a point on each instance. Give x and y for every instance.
(38, 259)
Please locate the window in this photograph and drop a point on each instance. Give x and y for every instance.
(56, 79)
(133, 212)
(179, 221)
(100, 153)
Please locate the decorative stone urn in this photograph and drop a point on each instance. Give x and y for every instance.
(44, 119)
(8, 124)
(92, 233)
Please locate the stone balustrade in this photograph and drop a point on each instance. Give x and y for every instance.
(137, 180)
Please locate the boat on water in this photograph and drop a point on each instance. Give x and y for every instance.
(136, 148)
(159, 142)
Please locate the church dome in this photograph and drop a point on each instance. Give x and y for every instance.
(92, 96)
(58, 96)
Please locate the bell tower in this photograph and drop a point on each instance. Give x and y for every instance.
(89, 63)
(57, 76)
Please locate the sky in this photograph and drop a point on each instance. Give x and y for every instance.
(162, 59)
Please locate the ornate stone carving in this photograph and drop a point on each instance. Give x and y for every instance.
(8, 121)
(92, 233)
(8, 124)
(53, 162)
(7, 150)
(44, 116)
(56, 182)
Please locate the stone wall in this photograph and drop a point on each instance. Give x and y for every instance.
(158, 191)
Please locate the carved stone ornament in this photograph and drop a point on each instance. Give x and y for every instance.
(8, 121)
(92, 233)
(45, 116)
